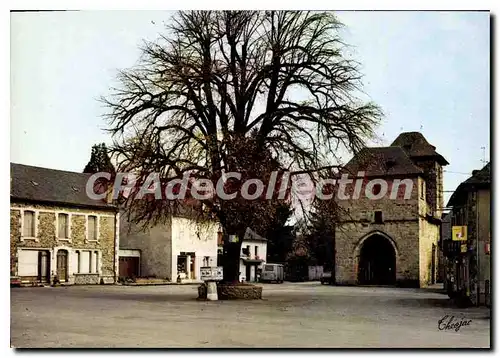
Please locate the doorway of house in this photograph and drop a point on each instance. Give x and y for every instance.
(377, 262)
(62, 265)
(247, 272)
(44, 266)
(128, 266)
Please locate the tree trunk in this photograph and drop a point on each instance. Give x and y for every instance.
(231, 259)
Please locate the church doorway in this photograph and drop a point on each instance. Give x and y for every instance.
(377, 262)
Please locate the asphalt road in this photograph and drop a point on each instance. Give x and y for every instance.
(289, 315)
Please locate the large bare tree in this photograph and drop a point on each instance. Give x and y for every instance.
(247, 91)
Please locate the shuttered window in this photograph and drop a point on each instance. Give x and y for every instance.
(63, 229)
(92, 228)
(29, 224)
(85, 262)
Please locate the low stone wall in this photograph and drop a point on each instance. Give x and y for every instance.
(233, 292)
(87, 279)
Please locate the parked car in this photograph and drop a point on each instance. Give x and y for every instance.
(327, 278)
(272, 273)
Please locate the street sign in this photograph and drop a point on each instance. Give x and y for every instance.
(459, 233)
(211, 273)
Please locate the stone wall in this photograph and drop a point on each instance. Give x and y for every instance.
(400, 224)
(233, 292)
(433, 175)
(348, 241)
(429, 236)
(87, 279)
(155, 244)
(47, 236)
(404, 224)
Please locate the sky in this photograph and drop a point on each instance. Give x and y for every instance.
(428, 71)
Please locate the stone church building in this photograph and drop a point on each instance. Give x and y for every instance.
(391, 237)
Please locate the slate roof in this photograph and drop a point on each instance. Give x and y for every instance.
(382, 161)
(45, 185)
(252, 235)
(479, 178)
(482, 176)
(415, 144)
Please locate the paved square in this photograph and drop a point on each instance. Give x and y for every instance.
(289, 315)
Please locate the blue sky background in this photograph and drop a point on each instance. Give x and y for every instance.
(429, 71)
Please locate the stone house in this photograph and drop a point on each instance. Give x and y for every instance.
(469, 261)
(56, 230)
(173, 250)
(392, 237)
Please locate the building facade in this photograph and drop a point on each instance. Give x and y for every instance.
(174, 250)
(391, 238)
(467, 251)
(57, 232)
(253, 256)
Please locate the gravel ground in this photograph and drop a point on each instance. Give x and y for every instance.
(289, 315)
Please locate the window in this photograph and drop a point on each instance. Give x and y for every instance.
(256, 251)
(78, 258)
(29, 224)
(378, 217)
(422, 189)
(63, 226)
(88, 261)
(84, 263)
(92, 228)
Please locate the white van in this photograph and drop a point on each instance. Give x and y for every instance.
(272, 273)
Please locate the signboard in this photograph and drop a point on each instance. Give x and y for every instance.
(211, 273)
(459, 233)
(463, 248)
(233, 238)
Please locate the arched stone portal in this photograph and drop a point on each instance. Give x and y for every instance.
(377, 260)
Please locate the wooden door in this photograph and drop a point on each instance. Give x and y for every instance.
(129, 266)
(62, 265)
